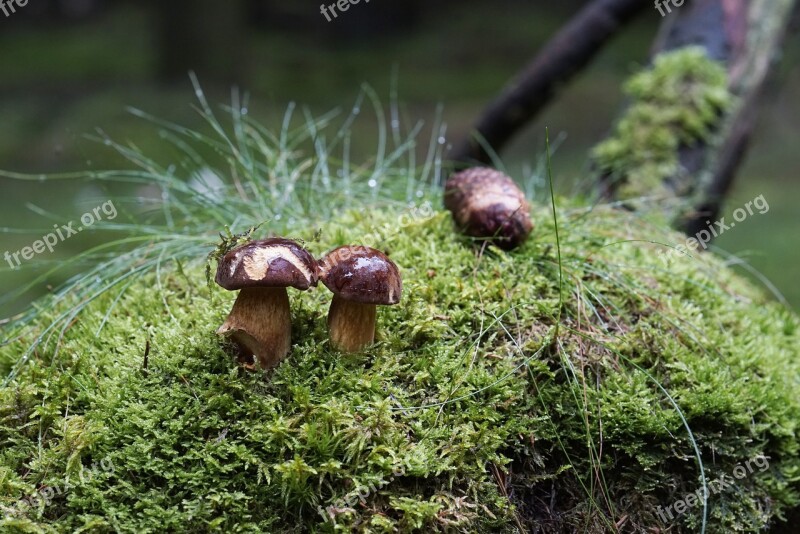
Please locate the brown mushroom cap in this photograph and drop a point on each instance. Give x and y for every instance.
(273, 262)
(487, 203)
(361, 274)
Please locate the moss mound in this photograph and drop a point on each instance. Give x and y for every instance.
(487, 406)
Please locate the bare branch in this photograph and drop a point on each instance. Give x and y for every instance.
(563, 57)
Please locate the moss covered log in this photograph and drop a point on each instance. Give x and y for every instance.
(495, 399)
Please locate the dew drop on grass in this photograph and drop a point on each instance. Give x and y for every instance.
(372, 183)
(420, 194)
(442, 140)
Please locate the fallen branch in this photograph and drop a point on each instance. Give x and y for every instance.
(745, 36)
(748, 37)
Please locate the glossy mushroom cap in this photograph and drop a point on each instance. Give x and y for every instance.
(487, 203)
(274, 262)
(361, 274)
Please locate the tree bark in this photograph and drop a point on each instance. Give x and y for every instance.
(563, 57)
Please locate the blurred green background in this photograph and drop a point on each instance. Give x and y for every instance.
(71, 67)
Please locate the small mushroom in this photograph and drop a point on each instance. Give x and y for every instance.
(260, 321)
(361, 278)
(488, 204)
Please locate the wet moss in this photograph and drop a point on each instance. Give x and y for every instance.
(473, 412)
(679, 101)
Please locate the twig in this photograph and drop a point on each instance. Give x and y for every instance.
(564, 56)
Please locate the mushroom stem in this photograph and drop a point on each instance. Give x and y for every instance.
(351, 324)
(260, 323)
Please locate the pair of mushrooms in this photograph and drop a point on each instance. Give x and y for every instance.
(484, 202)
(361, 278)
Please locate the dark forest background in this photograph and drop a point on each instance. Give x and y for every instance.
(68, 67)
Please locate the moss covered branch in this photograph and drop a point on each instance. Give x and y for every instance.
(696, 155)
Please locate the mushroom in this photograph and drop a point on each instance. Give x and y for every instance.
(260, 322)
(486, 203)
(361, 278)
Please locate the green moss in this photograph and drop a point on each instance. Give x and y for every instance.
(677, 102)
(471, 414)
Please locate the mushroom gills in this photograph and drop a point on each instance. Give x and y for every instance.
(351, 324)
(260, 324)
